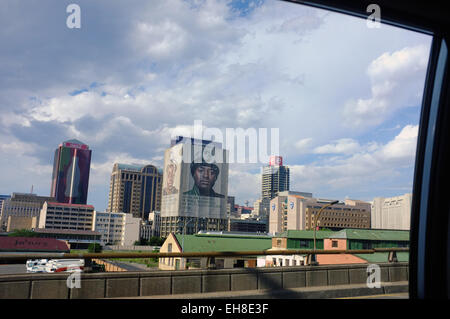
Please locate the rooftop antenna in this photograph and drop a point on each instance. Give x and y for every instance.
(31, 189)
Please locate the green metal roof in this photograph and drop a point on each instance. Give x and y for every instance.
(383, 257)
(372, 234)
(305, 234)
(207, 242)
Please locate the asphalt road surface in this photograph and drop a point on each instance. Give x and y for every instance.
(13, 269)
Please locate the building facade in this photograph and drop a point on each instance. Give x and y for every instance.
(247, 225)
(195, 187)
(345, 239)
(18, 223)
(60, 216)
(392, 212)
(2, 199)
(117, 228)
(22, 205)
(77, 239)
(295, 212)
(135, 189)
(208, 242)
(151, 227)
(71, 167)
(275, 179)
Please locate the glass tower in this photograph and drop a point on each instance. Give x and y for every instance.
(71, 166)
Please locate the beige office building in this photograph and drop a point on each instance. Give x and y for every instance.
(66, 216)
(135, 189)
(17, 223)
(22, 205)
(392, 212)
(296, 212)
(117, 228)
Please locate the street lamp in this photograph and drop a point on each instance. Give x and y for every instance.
(316, 217)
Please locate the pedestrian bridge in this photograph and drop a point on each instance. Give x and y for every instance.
(329, 281)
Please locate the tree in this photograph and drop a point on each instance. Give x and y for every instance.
(157, 241)
(23, 233)
(141, 242)
(94, 248)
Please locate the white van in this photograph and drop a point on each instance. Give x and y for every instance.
(64, 265)
(36, 265)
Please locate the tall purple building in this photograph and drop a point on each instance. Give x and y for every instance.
(70, 179)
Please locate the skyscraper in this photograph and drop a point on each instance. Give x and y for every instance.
(275, 179)
(135, 189)
(195, 187)
(70, 179)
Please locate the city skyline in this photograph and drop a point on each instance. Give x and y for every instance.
(345, 97)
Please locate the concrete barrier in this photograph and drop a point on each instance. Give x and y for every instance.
(156, 283)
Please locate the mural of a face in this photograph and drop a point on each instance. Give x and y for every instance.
(205, 177)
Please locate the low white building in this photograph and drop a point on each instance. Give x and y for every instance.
(117, 228)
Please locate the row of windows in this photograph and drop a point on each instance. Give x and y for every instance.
(83, 226)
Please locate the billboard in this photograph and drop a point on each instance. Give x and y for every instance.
(195, 182)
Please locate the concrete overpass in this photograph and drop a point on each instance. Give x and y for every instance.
(335, 281)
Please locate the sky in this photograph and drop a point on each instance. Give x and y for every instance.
(344, 97)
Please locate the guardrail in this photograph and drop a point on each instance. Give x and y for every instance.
(24, 257)
(171, 283)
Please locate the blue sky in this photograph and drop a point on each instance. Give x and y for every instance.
(346, 98)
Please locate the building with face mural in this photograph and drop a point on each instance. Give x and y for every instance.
(195, 187)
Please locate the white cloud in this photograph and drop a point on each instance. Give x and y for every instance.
(303, 144)
(397, 81)
(403, 147)
(344, 145)
(369, 164)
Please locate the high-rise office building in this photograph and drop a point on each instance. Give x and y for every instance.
(195, 187)
(275, 179)
(70, 179)
(135, 189)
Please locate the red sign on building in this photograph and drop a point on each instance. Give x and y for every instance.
(276, 161)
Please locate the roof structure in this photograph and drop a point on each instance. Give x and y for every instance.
(35, 244)
(352, 233)
(372, 234)
(207, 242)
(74, 141)
(383, 257)
(305, 234)
(66, 231)
(130, 167)
(136, 167)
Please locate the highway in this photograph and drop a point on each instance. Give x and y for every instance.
(12, 269)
